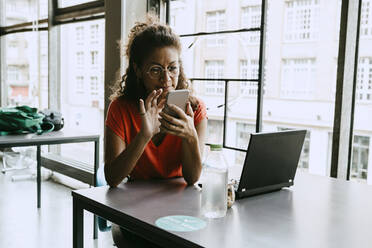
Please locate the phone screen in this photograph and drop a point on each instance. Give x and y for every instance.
(178, 98)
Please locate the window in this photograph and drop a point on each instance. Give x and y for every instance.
(79, 84)
(94, 86)
(300, 66)
(172, 21)
(214, 132)
(366, 19)
(360, 156)
(81, 68)
(12, 6)
(80, 59)
(21, 11)
(79, 35)
(94, 33)
(298, 76)
(215, 22)
(13, 73)
(364, 79)
(248, 72)
(94, 57)
(243, 131)
(68, 3)
(251, 18)
(214, 69)
(301, 20)
(304, 158)
(24, 69)
(12, 51)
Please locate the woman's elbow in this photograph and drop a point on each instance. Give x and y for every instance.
(110, 181)
(191, 180)
(112, 184)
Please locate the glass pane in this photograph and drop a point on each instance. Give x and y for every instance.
(68, 3)
(19, 11)
(300, 74)
(212, 16)
(26, 69)
(362, 158)
(224, 56)
(82, 82)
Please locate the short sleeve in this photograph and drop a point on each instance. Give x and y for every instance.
(114, 119)
(200, 113)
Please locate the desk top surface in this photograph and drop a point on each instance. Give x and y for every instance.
(316, 212)
(63, 136)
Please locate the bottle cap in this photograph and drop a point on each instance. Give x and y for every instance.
(215, 147)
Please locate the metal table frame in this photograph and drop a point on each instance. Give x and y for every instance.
(52, 138)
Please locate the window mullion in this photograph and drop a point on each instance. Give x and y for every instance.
(345, 90)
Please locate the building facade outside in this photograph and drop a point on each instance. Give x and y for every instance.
(299, 79)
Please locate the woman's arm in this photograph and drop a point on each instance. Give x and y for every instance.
(192, 153)
(192, 140)
(120, 158)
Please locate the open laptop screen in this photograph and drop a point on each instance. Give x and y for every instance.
(271, 161)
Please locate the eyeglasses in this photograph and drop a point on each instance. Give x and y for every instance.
(157, 71)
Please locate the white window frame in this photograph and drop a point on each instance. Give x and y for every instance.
(295, 14)
(94, 32)
(298, 78)
(357, 170)
(13, 73)
(243, 129)
(79, 89)
(94, 58)
(214, 69)
(249, 70)
(251, 18)
(94, 87)
(79, 31)
(215, 21)
(80, 58)
(214, 131)
(303, 163)
(366, 19)
(364, 80)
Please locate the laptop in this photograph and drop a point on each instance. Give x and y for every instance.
(270, 162)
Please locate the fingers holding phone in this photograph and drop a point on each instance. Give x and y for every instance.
(177, 118)
(178, 98)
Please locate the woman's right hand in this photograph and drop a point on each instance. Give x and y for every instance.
(149, 111)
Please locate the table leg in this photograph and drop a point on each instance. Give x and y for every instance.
(96, 161)
(38, 174)
(95, 225)
(77, 222)
(96, 165)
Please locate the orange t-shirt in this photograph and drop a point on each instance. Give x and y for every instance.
(163, 161)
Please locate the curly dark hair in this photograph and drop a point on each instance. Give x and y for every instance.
(144, 38)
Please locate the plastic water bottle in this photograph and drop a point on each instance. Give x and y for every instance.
(214, 184)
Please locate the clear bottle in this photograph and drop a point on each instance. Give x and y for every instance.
(214, 184)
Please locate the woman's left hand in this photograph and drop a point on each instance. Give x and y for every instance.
(182, 125)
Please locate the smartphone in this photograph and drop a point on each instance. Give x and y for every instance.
(178, 98)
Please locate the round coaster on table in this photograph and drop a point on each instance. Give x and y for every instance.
(180, 223)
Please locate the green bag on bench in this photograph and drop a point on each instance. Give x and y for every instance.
(22, 119)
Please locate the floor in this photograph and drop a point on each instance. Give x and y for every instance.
(23, 225)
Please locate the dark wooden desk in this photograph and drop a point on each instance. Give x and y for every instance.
(315, 212)
(52, 138)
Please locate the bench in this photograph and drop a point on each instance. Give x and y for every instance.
(78, 170)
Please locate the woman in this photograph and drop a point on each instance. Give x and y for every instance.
(142, 141)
